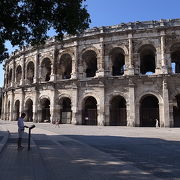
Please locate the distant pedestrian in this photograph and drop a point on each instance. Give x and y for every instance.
(157, 123)
(57, 123)
(21, 127)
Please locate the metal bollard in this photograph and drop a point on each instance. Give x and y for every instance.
(29, 138)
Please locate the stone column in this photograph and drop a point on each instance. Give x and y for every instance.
(137, 61)
(74, 106)
(165, 107)
(101, 108)
(52, 105)
(24, 74)
(171, 118)
(35, 107)
(52, 78)
(2, 105)
(163, 60)
(36, 67)
(21, 108)
(130, 63)
(137, 114)
(100, 60)
(75, 61)
(12, 106)
(131, 104)
(13, 74)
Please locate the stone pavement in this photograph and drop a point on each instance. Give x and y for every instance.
(58, 157)
(4, 134)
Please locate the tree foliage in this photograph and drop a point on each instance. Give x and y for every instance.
(28, 21)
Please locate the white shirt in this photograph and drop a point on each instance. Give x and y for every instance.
(20, 123)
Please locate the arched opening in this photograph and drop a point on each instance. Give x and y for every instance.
(65, 67)
(175, 58)
(18, 74)
(118, 115)
(90, 111)
(45, 110)
(16, 110)
(149, 111)
(118, 61)
(90, 59)
(46, 69)
(147, 59)
(65, 111)
(10, 77)
(176, 112)
(30, 72)
(29, 110)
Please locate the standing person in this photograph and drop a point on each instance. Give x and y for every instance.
(157, 123)
(21, 127)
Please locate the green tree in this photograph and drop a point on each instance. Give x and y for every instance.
(28, 21)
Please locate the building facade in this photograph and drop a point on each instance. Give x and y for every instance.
(126, 75)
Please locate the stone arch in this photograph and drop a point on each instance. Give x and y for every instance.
(18, 74)
(122, 47)
(149, 110)
(65, 66)
(175, 57)
(46, 69)
(30, 72)
(147, 53)
(16, 109)
(118, 111)
(117, 56)
(29, 110)
(89, 111)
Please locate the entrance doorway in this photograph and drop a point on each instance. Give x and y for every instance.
(118, 115)
(149, 111)
(45, 110)
(29, 110)
(90, 111)
(176, 112)
(65, 112)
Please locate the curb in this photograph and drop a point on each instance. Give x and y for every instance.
(5, 135)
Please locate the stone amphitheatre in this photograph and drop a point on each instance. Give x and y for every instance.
(124, 75)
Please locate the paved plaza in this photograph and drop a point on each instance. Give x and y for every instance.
(70, 152)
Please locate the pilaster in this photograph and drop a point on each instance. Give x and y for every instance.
(131, 109)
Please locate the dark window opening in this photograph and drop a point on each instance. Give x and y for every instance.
(176, 112)
(18, 74)
(30, 72)
(175, 62)
(46, 69)
(90, 59)
(147, 60)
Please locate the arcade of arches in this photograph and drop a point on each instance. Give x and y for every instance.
(124, 75)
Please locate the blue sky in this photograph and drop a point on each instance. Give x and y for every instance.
(112, 12)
